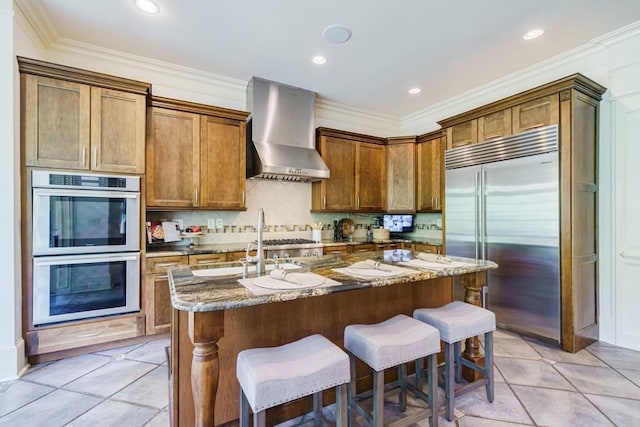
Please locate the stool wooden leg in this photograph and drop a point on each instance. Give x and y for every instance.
(378, 399)
(351, 392)
(456, 357)
(432, 388)
(244, 410)
(488, 364)
(341, 405)
(449, 380)
(402, 382)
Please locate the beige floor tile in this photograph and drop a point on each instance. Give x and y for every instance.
(114, 414)
(598, 380)
(623, 412)
(19, 393)
(65, 371)
(505, 406)
(150, 390)
(55, 409)
(508, 347)
(470, 421)
(160, 420)
(616, 357)
(559, 408)
(531, 372)
(110, 378)
(631, 374)
(556, 354)
(151, 352)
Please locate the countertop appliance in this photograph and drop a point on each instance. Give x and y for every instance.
(86, 245)
(281, 133)
(291, 248)
(502, 204)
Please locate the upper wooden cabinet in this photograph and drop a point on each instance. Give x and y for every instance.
(358, 178)
(494, 125)
(538, 112)
(430, 172)
(195, 156)
(401, 174)
(76, 119)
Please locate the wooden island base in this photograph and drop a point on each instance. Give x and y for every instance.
(234, 330)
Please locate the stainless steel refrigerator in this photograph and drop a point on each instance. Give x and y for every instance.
(502, 204)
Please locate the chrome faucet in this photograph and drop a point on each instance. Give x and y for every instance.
(259, 259)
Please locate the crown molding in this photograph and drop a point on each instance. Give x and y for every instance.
(38, 21)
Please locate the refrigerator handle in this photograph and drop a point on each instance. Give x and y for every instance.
(476, 203)
(483, 214)
(485, 297)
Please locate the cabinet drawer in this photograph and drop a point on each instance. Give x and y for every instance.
(363, 248)
(84, 334)
(337, 249)
(204, 259)
(432, 249)
(162, 264)
(238, 255)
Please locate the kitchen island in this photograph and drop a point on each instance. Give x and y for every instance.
(215, 317)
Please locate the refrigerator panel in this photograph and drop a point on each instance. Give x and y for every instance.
(461, 220)
(522, 236)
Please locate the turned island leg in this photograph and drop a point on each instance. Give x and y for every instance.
(473, 284)
(205, 329)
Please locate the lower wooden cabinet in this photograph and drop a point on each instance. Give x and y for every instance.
(424, 247)
(205, 259)
(156, 293)
(364, 247)
(336, 249)
(91, 332)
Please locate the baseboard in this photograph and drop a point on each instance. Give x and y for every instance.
(13, 361)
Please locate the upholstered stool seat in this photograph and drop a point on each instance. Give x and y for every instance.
(388, 344)
(271, 376)
(456, 322)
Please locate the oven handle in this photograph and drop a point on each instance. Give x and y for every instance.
(85, 259)
(84, 193)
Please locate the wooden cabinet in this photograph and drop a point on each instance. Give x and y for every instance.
(425, 247)
(535, 113)
(195, 156)
(76, 119)
(362, 247)
(494, 125)
(205, 259)
(573, 104)
(401, 174)
(462, 134)
(430, 172)
(157, 298)
(358, 177)
(339, 248)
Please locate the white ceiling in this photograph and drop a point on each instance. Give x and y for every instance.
(445, 47)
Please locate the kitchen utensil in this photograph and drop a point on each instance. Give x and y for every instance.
(348, 227)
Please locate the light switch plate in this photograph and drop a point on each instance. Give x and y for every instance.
(219, 223)
(211, 223)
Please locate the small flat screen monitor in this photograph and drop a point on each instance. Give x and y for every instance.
(398, 223)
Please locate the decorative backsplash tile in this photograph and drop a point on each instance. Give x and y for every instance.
(287, 215)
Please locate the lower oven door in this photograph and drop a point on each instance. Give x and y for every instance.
(83, 286)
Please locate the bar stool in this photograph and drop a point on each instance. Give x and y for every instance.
(456, 322)
(384, 345)
(271, 376)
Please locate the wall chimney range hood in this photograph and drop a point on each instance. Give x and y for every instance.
(281, 133)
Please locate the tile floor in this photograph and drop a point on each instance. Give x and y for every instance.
(536, 385)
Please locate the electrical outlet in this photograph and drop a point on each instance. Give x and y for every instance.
(211, 223)
(219, 223)
(180, 222)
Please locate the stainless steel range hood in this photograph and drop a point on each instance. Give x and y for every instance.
(281, 133)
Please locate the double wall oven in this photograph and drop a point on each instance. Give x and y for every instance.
(86, 245)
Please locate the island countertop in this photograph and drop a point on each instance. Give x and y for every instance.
(195, 293)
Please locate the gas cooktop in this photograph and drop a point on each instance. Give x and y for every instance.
(281, 242)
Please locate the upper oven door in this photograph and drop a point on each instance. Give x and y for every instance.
(85, 221)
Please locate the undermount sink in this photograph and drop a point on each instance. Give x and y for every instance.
(238, 270)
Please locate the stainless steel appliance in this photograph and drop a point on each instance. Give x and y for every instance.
(86, 245)
(70, 287)
(291, 248)
(502, 204)
(85, 213)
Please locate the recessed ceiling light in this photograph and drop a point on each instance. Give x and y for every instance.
(415, 90)
(533, 34)
(319, 59)
(336, 33)
(147, 6)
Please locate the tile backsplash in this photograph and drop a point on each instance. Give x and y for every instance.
(286, 211)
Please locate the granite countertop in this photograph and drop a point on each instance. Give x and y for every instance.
(211, 293)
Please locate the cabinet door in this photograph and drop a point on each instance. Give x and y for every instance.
(539, 112)
(430, 160)
(222, 163)
(117, 131)
(401, 177)
(462, 134)
(56, 123)
(371, 182)
(423, 247)
(158, 304)
(206, 259)
(339, 191)
(495, 125)
(173, 158)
